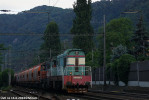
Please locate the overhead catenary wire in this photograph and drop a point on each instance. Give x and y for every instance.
(56, 2)
(41, 34)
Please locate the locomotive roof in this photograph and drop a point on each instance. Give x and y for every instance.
(67, 51)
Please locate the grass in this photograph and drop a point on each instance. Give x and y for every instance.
(6, 88)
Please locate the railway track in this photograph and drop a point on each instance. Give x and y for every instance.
(120, 95)
(97, 96)
(91, 95)
(5, 95)
(88, 97)
(28, 95)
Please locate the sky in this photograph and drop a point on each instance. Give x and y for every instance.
(21, 5)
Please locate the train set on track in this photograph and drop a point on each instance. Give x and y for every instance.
(67, 72)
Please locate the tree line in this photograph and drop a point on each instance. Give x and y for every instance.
(123, 44)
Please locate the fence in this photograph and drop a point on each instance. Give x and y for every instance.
(138, 75)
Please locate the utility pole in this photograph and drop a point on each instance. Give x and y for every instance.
(50, 54)
(138, 76)
(48, 17)
(9, 79)
(104, 55)
(2, 68)
(5, 61)
(64, 45)
(9, 53)
(92, 55)
(38, 57)
(9, 63)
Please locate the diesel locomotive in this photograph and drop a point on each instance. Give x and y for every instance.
(67, 71)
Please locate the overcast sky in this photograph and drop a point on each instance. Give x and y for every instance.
(21, 5)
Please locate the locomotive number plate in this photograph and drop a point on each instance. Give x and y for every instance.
(77, 77)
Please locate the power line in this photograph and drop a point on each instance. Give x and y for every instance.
(56, 2)
(39, 34)
(20, 34)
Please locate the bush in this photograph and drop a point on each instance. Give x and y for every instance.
(7, 88)
(142, 58)
(121, 67)
(4, 77)
(1, 79)
(124, 67)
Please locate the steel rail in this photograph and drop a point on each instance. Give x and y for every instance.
(125, 94)
(35, 95)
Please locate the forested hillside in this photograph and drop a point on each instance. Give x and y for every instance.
(36, 22)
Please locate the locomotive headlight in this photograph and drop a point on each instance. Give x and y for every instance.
(70, 73)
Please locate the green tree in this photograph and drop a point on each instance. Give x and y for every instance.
(4, 79)
(120, 68)
(51, 42)
(1, 48)
(113, 65)
(82, 26)
(124, 67)
(140, 40)
(1, 82)
(118, 31)
(118, 51)
(92, 59)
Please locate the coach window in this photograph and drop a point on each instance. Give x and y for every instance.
(38, 73)
(32, 74)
